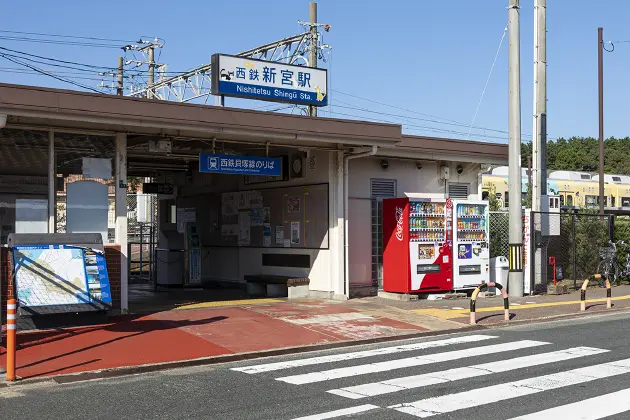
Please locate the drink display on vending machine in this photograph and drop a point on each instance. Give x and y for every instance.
(471, 253)
(417, 254)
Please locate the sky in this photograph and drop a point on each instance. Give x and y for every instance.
(420, 63)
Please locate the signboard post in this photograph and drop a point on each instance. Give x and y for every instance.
(239, 165)
(268, 81)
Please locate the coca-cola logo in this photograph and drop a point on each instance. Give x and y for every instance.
(399, 223)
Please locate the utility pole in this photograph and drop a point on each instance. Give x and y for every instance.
(600, 77)
(151, 75)
(515, 280)
(312, 111)
(539, 138)
(119, 89)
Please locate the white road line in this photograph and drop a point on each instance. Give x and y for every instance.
(339, 413)
(492, 394)
(268, 367)
(345, 372)
(591, 409)
(418, 381)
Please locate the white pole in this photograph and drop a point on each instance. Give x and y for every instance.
(121, 216)
(515, 281)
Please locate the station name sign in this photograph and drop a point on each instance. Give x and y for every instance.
(268, 81)
(239, 165)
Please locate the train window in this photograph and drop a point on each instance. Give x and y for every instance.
(625, 201)
(570, 200)
(616, 179)
(612, 200)
(585, 176)
(562, 200)
(484, 195)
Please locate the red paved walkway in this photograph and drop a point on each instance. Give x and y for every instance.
(189, 334)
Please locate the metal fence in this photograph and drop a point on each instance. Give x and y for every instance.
(142, 235)
(573, 239)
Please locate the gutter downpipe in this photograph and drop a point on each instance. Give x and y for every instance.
(346, 170)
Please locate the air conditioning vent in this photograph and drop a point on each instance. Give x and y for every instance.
(458, 190)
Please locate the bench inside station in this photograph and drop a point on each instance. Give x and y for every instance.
(264, 285)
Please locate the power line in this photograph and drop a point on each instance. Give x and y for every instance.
(65, 36)
(57, 42)
(56, 60)
(483, 92)
(49, 74)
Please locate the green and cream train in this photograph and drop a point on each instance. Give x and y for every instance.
(575, 189)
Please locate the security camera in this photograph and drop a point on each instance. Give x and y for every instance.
(459, 169)
(384, 164)
(418, 165)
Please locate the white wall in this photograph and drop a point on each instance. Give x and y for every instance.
(409, 180)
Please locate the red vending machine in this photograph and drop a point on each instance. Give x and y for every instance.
(417, 245)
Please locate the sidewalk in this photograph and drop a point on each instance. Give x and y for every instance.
(205, 330)
(224, 328)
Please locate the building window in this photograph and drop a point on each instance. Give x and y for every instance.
(458, 190)
(379, 190)
(570, 200)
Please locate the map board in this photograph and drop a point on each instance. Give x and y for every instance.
(60, 277)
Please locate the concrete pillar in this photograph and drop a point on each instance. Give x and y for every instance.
(52, 184)
(120, 162)
(336, 225)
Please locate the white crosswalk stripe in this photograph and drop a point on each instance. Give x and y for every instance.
(418, 381)
(268, 367)
(591, 409)
(476, 397)
(340, 413)
(345, 372)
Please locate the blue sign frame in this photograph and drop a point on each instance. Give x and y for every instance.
(239, 165)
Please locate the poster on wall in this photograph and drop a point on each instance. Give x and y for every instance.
(266, 215)
(295, 232)
(243, 200)
(280, 235)
(255, 199)
(293, 204)
(267, 236)
(229, 230)
(229, 206)
(257, 216)
(244, 228)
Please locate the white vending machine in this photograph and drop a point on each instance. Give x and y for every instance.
(471, 246)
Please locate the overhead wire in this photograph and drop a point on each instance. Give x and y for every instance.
(65, 36)
(49, 74)
(483, 92)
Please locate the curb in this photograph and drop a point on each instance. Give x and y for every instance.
(213, 360)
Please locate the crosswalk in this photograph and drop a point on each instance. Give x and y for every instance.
(396, 362)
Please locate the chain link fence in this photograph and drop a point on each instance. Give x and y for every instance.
(142, 235)
(573, 239)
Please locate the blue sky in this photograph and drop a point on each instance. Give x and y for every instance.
(427, 56)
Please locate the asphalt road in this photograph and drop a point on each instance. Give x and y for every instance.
(501, 374)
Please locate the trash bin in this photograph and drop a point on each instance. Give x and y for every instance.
(499, 269)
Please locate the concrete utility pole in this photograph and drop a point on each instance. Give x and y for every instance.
(312, 111)
(119, 89)
(600, 79)
(515, 280)
(151, 75)
(539, 138)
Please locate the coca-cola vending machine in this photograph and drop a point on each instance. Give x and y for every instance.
(417, 245)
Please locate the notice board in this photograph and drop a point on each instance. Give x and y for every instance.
(286, 217)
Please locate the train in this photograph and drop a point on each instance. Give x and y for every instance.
(574, 189)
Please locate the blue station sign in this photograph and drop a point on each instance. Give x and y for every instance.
(268, 81)
(239, 165)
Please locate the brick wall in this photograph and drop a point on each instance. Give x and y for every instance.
(6, 285)
(112, 256)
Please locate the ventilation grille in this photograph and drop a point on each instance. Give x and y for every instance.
(458, 190)
(382, 188)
